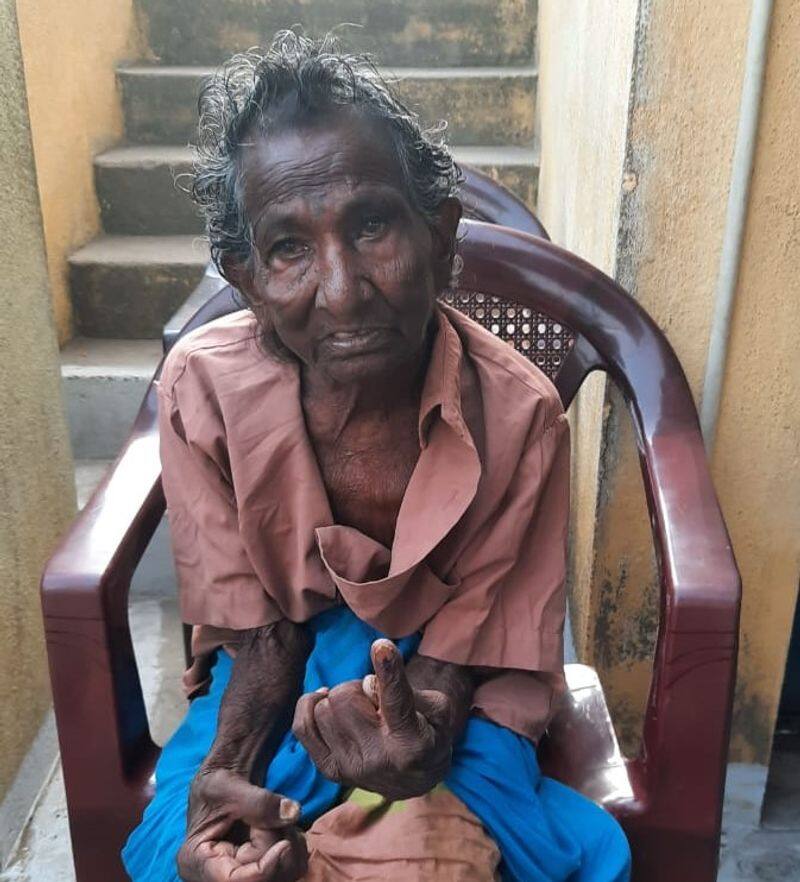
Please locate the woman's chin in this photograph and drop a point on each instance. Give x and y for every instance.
(360, 366)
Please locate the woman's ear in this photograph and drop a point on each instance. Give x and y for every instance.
(239, 273)
(445, 230)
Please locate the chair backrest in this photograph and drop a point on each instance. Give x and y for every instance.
(484, 199)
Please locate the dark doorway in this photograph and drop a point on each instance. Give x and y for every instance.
(782, 798)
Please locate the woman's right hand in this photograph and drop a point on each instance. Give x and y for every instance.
(239, 832)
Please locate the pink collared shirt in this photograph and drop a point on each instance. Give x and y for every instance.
(478, 560)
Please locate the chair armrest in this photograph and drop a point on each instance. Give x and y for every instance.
(687, 722)
(581, 750)
(106, 747)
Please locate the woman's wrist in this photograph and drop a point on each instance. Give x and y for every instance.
(258, 703)
(455, 681)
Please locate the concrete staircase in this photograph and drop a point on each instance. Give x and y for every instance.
(467, 61)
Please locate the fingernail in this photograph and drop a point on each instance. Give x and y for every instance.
(289, 810)
(369, 685)
(384, 652)
(323, 690)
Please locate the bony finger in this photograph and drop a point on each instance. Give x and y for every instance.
(262, 808)
(261, 870)
(304, 711)
(395, 695)
(435, 706)
(294, 864)
(272, 864)
(218, 866)
(306, 731)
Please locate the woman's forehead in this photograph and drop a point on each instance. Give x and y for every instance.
(303, 160)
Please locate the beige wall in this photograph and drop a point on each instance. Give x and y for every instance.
(684, 95)
(70, 53)
(585, 122)
(757, 451)
(682, 101)
(36, 486)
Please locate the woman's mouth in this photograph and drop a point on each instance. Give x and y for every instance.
(359, 341)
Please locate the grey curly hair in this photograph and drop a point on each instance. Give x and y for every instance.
(298, 79)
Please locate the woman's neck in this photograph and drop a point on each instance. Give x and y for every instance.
(331, 407)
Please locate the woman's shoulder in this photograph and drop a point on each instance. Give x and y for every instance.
(208, 354)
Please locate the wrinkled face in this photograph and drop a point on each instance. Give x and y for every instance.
(346, 269)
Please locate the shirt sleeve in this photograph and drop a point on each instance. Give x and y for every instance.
(507, 615)
(217, 584)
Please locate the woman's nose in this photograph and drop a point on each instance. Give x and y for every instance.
(340, 289)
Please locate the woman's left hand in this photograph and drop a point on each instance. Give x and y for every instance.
(380, 734)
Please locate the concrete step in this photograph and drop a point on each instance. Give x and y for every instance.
(139, 190)
(103, 383)
(515, 167)
(482, 105)
(128, 286)
(139, 187)
(477, 32)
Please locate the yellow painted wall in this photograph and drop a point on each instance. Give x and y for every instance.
(757, 452)
(682, 103)
(582, 125)
(37, 496)
(70, 52)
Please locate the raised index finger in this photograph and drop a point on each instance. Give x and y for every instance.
(395, 695)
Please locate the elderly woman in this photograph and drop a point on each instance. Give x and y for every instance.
(368, 500)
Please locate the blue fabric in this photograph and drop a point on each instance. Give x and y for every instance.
(545, 831)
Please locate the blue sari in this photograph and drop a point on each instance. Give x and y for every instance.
(545, 831)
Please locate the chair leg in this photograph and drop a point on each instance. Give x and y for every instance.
(671, 856)
(97, 854)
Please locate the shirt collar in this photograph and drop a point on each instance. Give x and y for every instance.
(442, 386)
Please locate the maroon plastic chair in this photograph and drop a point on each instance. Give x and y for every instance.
(668, 797)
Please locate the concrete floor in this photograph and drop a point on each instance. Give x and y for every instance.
(769, 852)
(43, 851)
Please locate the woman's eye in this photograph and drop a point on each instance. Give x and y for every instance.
(286, 249)
(373, 225)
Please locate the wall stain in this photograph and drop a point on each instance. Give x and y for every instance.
(606, 617)
(752, 723)
(753, 716)
(624, 631)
